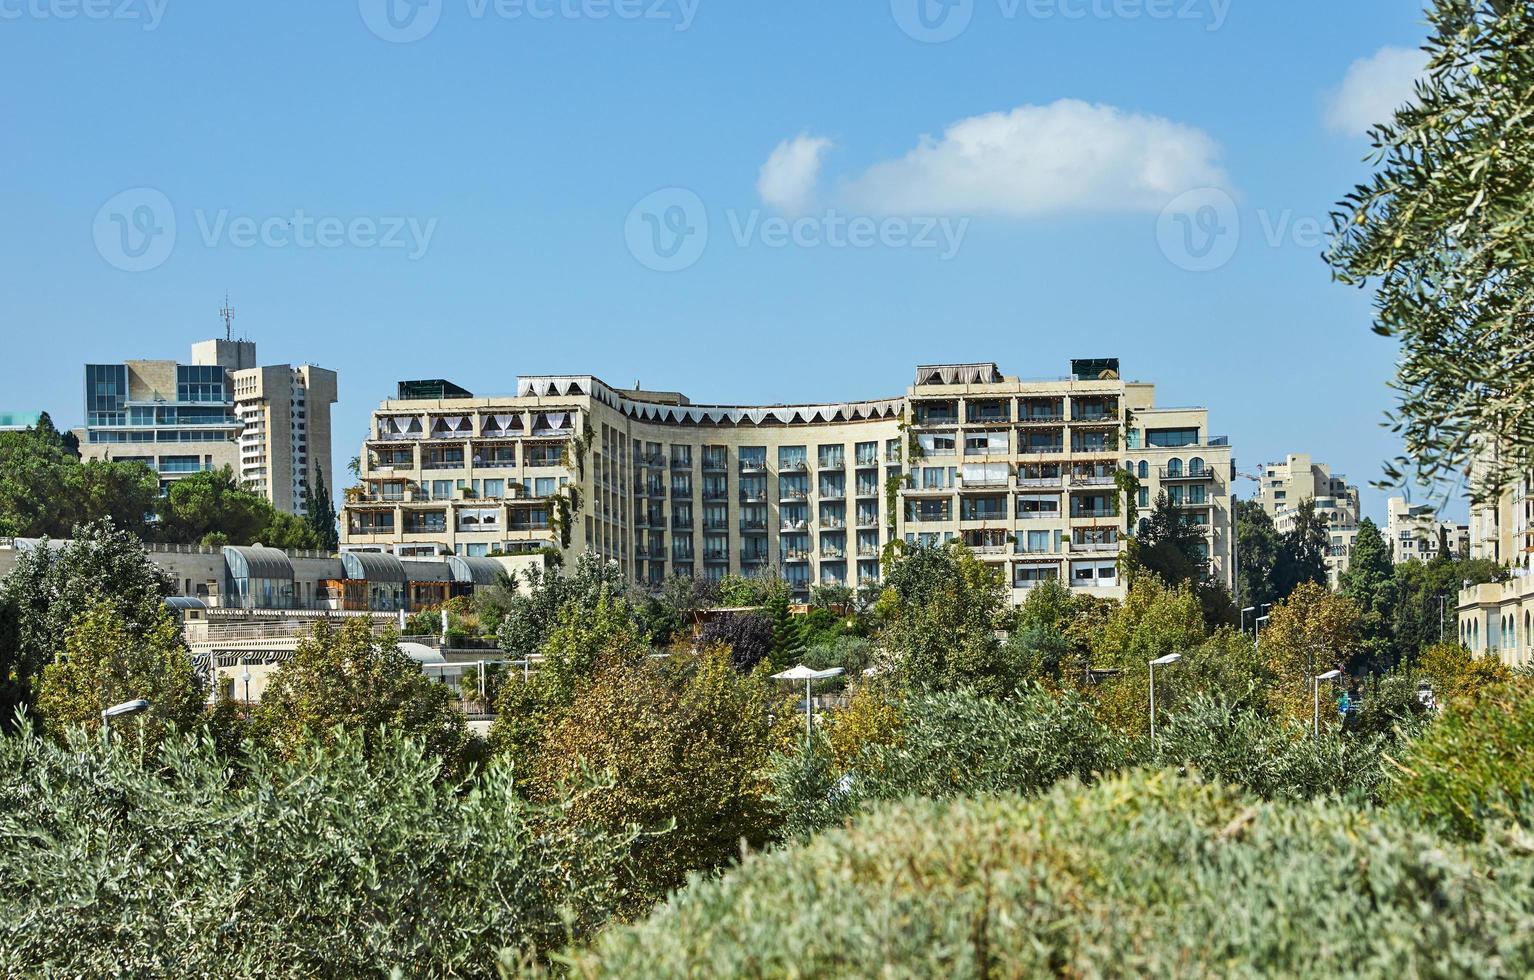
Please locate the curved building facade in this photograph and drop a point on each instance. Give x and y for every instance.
(1022, 471)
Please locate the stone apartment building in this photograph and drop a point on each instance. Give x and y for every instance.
(1022, 471)
(1285, 486)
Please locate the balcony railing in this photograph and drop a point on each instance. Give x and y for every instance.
(795, 466)
(1091, 480)
(1094, 547)
(866, 460)
(1186, 475)
(715, 464)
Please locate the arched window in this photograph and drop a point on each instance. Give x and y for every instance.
(1144, 470)
(1144, 524)
(1174, 467)
(1196, 466)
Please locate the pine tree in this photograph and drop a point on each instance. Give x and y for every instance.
(787, 634)
(320, 512)
(1370, 582)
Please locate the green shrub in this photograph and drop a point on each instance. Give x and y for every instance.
(1473, 766)
(957, 744)
(1271, 757)
(339, 862)
(1146, 874)
(805, 791)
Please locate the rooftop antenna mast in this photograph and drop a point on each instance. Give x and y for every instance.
(228, 314)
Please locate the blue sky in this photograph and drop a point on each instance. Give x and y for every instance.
(484, 200)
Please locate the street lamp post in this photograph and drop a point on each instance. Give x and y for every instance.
(124, 710)
(1315, 723)
(1257, 630)
(1165, 661)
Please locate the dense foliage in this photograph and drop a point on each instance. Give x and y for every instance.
(106, 662)
(1474, 767)
(346, 680)
(1145, 874)
(347, 860)
(52, 586)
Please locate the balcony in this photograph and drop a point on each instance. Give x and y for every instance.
(793, 496)
(868, 521)
(832, 554)
(715, 464)
(981, 516)
(718, 526)
(715, 556)
(791, 526)
(716, 494)
(893, 457)
(681, 464)
(833, 493)
(753, 558)
(1044, 418)
(867, 461)
(1186, 476)
(753, 496)
(753, 527)
(1091, 480)
(796, 557)
(681, 524)
(1038, 515)
(832, 524)
(753, 467)
(795, 466)
(1094, 547)
(1051, 449)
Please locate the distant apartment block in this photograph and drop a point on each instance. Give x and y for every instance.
(1023, 472)
(1287, 485)
(1416, 534)
(270, 425)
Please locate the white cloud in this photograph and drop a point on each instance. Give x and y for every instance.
(1374, 88)
(1062, 157)
(789, 176)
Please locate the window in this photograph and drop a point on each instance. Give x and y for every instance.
(1171, 438)
(1174, 467)
(1196, 466)
(544, 486)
